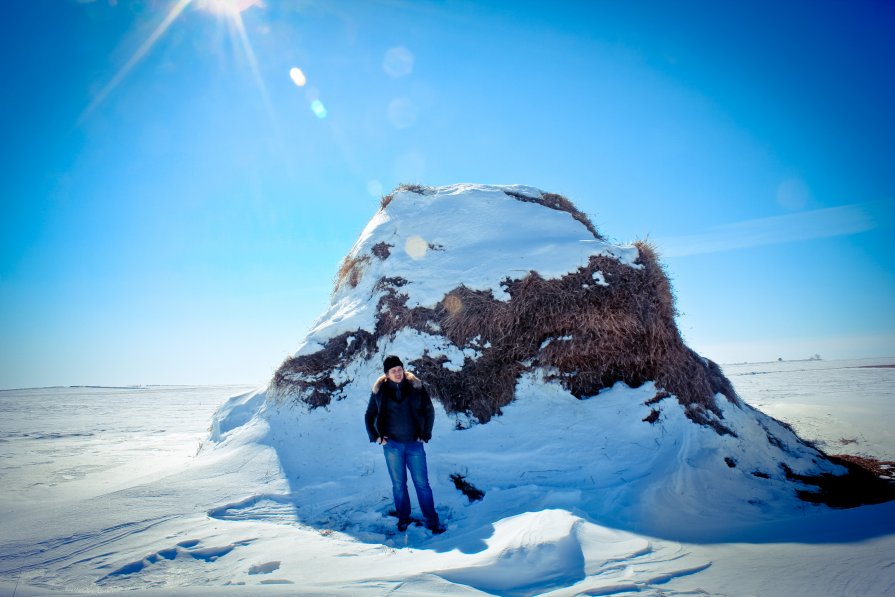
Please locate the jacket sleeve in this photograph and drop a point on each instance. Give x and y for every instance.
(428, 415)
(370, 418)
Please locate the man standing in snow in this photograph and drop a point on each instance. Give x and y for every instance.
(399, 417)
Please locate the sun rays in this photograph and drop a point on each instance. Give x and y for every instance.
(237, 24)
(144, 48)
(230, 9)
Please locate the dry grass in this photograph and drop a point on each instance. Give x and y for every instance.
(382, 250)
(884, 469)
(472, 493)
(309, 377)
(598, 335)
(588, 336)
(559, 203)
(406, 187)
(864, 483)
(351, 271)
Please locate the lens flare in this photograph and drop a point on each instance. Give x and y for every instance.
(297, 76)
(416, 247)
(231, 9)
(227, 7)
(318, 109)
(402, 113)
(398, 62)
(453, 304)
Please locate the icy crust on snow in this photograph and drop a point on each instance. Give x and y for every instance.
(464, 234)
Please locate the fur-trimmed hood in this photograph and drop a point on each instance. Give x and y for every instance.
(382, 405)
(413, 379)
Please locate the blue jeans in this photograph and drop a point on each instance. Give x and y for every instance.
(401, 457)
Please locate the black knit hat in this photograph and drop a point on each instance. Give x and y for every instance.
(391, 361)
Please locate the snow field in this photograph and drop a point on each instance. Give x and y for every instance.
(847, 407)
(231, 514)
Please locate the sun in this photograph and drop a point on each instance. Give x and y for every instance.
(230, 8)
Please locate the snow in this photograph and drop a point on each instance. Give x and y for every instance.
(475, 233)
(849, 397)
(600, 279)
(103, 491)
(412, 344)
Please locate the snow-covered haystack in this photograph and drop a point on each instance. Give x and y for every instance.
(562, 381)
(493, 282)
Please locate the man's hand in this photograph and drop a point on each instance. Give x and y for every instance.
(382, 441)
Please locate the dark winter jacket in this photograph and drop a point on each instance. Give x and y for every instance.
(383, 404)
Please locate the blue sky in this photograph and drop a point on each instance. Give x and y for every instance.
(175, 205)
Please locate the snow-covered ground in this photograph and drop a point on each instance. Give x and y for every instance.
(845, 407)
(105, 490)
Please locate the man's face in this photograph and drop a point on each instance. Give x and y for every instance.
(396, 374)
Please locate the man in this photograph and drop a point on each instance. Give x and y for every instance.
(399, 417)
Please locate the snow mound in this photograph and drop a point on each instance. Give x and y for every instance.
(475, 285)
(561, 383)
